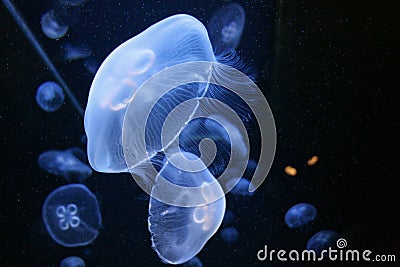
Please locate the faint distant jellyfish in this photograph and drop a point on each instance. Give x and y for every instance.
(312, 161)
(75, 51)
(193, 262)
(225, 27)
(72, 261)
(300, 215)
(52, 26)
(49, 96)
(229, 216)
(179, 233)
(291, 171)
(71, 215)
(72, 2)
(242, 188)
(322, 240)
(229, 234)
(67, 164)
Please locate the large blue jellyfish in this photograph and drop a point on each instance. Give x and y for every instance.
(67, 164)
(226, 26)
(179, 233)
(71, 215)
(300, 214)
(49, 96)
(136, 111)
(72, 261)
(322, 240)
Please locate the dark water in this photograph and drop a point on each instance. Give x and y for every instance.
(327, 68)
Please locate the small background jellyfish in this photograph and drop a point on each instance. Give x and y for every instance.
(229, 234)
(225, 27)
(242, 188)
(322, 240)
(68, 164)
(300, 215)
(193, 262)
(52, 25)
(71, 215)
(49, 96)
(72, 261)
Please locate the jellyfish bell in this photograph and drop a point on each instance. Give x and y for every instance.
(300, 215)
(49, 96)
(52, 26)
(179, 233)
(71, 215)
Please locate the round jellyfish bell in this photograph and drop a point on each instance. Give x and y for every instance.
(72, 261)
(52, 26)
(300, 215)
(225, 27)
(179, 233)
(71, 215)
(49, 96)
(193, 262)
(229, 234)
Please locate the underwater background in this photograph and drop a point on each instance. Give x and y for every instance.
(329, 72)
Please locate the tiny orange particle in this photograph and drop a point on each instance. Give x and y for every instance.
(312, 160)
(290, 171)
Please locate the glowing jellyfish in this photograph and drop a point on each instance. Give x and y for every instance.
(312, 161)
(226, 26)
(179, 233)
(229, 234)
(52, 26)
(72, 261)
(71, 215)
(300, 215)
(322, 240)
(49, 96)
(193, 262)
(67, 164)
(291, 171)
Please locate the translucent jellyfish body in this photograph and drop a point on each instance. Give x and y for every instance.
(179, 233)
(49, 96)
(67, 164)
(174, 40)
(300, 215)
(226, 26)
(71, 215)
(72, 261)
(52, 26)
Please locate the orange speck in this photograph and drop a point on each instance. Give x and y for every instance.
(290, 171)
(312, 160)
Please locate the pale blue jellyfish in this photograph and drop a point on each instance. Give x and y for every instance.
(225, 27)
(193, 262)
(67, 164)
(322, 240)
(52, 26)
(229, 234)
(49, 96)
(179, 233)
(72, 261)
(71, 215)
(300, 215)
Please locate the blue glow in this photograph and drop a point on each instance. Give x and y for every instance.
(300, 215)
